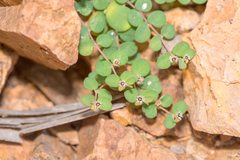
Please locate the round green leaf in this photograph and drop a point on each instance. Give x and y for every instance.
(100, 4)
(190, 53)
(157, 19)
(121, 56)
(86, 47)
(128, 35)
(142, 33)
(163, 61)
(84, 35)
(103, 93)
(180, 49)
(116, 15)
(168, 122)
(181, 64)
(130, 48)
(90, 83)
(180, 106)
(121, 1)
(134, 58)
(184, 2)
(112, 80)
(149, 80)
(104, 40)
(106, 105)
(168, 31)
(134, 18)
(199, 1)
(114, 88)
(84, 7)
(144, 107)
(150, 95)
(160, 1)
(108, 52)
(156, 86)
(129, 77)
(155, 43)
(143, 5)
(97, 22)
(86, 100)
(141, 67)
(100, 79)
(103, 68)
(166, 101)
(151, 111)
(132, 1)
(170, 1)
(112, 34)
(131, 95)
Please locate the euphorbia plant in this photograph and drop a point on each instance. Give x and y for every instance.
(114, 28)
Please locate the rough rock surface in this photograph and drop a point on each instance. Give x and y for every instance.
(212, 81)
(61, 87)
(183, 20)
(8, 58)
(44, 31)
(20, 94)
(49, 147)
(9, 2)
(107, 139)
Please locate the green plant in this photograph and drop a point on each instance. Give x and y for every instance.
(119, 49)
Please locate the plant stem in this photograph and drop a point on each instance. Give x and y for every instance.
(150, 26)
(164, 109)
(96, 91)
(117, 38)
(114, 71)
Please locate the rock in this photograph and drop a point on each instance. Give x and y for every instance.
(46, 32)
(61, 87)
(123, 116)
(4, 3)
(107, 139)
(183, 20)
(49, 147)
(11, 151)
(8, 58)
(225, 138)
(20, 94)
(198, 150)
(88, 134)
(212, 80)
(66, 134)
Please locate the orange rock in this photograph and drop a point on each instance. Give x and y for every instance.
(183, 20)
(107, 139)
(50, 147)
(123, 116)
(11, 151)
(46, 32)
(20, 94)
(61, 87)
(66, 134)
(8, 58)
(212, 81)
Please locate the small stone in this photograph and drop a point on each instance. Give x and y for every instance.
(178, 149)
(123, 116)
